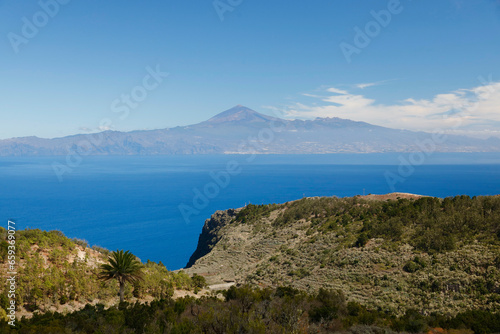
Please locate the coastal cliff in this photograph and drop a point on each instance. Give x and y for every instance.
(210, 234)
(387, 252)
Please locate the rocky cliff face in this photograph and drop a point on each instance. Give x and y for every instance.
(211, 234)
(381, 251)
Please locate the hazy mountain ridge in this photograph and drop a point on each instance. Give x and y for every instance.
(242, 130)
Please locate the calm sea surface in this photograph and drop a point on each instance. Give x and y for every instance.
(133, 202)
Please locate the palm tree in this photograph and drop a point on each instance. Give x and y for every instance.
(122, 266)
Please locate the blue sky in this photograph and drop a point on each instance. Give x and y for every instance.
(279, 57)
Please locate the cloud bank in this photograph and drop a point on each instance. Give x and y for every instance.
(474, 111)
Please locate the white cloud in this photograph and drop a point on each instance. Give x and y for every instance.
(311, 95)
(371, 84)
(338, 91)
(104, 128)
(94, 130)
(473, 111)
(366, 85)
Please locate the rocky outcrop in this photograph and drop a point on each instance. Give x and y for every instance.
(210, 234)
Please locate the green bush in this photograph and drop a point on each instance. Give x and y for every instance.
(412, 322)
(80, 242)
(249, 309)
(362, 240)
(332, 304)
(4, 249)
(411, 267)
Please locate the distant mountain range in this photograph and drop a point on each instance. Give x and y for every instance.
(241, 130)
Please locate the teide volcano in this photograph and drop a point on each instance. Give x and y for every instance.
(225, 132)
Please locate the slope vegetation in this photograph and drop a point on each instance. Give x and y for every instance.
(55, 273)
(428, 254)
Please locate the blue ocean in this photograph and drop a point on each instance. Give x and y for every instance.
(155, 206)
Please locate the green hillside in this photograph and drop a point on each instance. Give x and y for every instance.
(55, 273)
(428, 254)
(316, 265)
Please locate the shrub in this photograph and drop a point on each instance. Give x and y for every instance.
(362, 240)
(4, 249)
(199, 281)
(300, 273)
(412, 322)
(288, 291)
(332, 304)
(411, 267)
(101, 250)
(80, 242)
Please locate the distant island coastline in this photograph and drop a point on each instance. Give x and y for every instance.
(241, 130)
